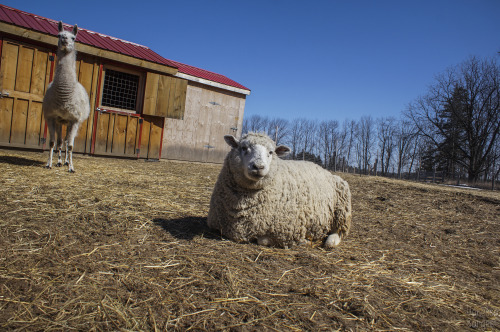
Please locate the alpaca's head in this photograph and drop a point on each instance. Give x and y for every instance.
(67, 39)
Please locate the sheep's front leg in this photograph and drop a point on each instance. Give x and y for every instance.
(59, 144)
(52, 131)
(70, 140)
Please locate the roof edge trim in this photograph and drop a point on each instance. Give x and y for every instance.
(212, 83)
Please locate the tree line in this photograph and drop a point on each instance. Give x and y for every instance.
(454, 128)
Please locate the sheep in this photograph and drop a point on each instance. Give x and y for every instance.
(66, 100)
(275, 202)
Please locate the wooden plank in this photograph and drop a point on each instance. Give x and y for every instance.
(19, 118)
(179, 99)
(10, 54)
(138, 137)
(170, 95)
(24, 69)
(188, 132)
(101, 137)
(33, 126)
(85, 73)
(217, 129)
(39, 72)
(162, 96)
(146, 128)
(119, 135)
(150, 94)
(110, 132)
(131, 135)
(155, 138)
(6, 108)
(92, 96)
(81, 138)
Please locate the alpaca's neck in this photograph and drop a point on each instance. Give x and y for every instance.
(65, 68)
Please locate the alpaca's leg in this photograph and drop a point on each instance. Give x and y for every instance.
(70, 139)
(59, 144)
(66, 143)
(52, 130)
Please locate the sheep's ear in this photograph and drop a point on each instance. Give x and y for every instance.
(282, 150)
(61, 29)
(232, 141)
(75, 30)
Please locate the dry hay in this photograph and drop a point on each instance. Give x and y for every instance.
(123, 245)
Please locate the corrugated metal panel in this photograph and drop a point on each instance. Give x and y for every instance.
(48, 26)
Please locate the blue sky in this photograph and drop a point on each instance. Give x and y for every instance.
(315, 59)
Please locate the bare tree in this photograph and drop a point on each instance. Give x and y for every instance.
(328, 137)
(309, 135)
(460, 113)
(366, 135)
(295, 137)
(349, 129)
(255, 123)
(278, 129)
(386, 132)
(404, 138)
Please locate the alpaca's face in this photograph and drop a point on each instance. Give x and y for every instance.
(66, 41)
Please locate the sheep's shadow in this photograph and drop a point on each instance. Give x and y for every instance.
(20, 161)
(187, 228)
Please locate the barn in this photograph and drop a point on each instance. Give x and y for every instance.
(142, 105)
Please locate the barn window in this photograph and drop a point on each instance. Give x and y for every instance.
(120, 90)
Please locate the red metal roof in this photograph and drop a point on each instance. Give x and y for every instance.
(48, 26)
(208, 75)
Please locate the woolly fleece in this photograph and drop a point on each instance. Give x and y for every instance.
(296, 201)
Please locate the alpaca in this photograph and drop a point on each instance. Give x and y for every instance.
(66, 102)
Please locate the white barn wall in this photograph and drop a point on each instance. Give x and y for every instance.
(200, 135)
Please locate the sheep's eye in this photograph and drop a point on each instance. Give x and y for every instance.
(244, 149)
(270, 152)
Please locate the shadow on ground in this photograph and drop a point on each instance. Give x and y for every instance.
(187, 228)
(20, 161)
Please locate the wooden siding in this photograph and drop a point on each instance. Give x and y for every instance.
(25, 72)
(117, 134)
(24, 77)
(210, 114)
(165, 96)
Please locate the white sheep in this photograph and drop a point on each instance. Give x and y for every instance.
(66, 101)
(260, 197)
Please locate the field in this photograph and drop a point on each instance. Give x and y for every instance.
(123, 245)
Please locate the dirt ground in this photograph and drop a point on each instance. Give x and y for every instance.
(123, 245)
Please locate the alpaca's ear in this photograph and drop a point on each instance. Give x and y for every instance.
(75, 30)
(61, 29)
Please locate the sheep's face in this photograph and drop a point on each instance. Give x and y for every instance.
(67, 39)
(255, 156)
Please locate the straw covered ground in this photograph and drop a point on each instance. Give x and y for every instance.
(123, 245)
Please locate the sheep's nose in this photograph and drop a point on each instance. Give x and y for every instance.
(257, 167)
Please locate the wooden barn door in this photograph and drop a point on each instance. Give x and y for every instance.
(24, 76)
(117, 134)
